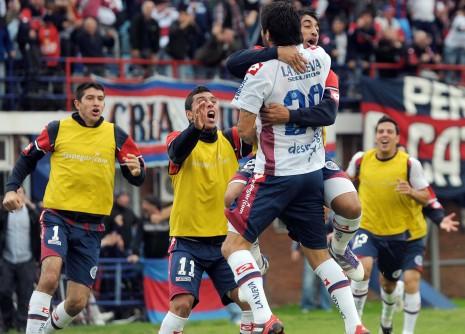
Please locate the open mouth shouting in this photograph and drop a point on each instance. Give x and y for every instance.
(96, 112)
(211, 115)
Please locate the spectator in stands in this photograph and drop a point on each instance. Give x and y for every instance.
(202, 13)
(390, 49)
(28, 41)
(362, 42)
(49, 42)
(423, 18)
(105, 11)
(90, 43)
(120, 226)
(165, 14)
(185, 37)
(153, 232)
(388, 21)
(65, 18)
(401, 14)
(421, 52)
(19, 253)
(6, 52)
(145, 33)
(454, 44)
(335, 42)
(229, 16)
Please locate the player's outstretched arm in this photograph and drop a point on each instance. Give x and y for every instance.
(29, 157)
(448, 224)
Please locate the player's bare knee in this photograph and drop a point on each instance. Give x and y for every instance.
(181, 305)
(226, 249)
(48, 282)
(347, 205)
(412, 281)
(75, 304)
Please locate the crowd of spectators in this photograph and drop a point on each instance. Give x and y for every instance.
(355, 33)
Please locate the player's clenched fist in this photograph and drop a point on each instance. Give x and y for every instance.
(11, 201)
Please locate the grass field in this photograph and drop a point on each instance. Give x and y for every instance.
(430, 322)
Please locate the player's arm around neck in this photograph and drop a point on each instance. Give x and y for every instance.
(246, 126)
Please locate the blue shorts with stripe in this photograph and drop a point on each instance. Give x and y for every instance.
(79, 248)
(388, 250)
(189, 260)
(414, 254)
(297, 200)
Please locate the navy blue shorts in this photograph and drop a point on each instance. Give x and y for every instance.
(332, 170)
(389, 252)
(79, 248)
(414, 255)
(297, 200)
(189, 260)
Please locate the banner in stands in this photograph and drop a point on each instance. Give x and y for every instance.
(156, 294)
(431, 116)
(150, 110)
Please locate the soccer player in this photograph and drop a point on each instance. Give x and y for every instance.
(409, 288)
(202, 160)
(288, 177)
(392, 188)
(79, 194)
(339, 191)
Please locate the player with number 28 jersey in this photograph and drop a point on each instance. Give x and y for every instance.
(276, 82)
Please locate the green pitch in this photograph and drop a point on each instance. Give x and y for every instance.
(430, 321)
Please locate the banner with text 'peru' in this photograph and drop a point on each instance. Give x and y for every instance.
(156, 294)
(150, 110)
(431, 116)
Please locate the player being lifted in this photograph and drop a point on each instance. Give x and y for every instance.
(288, 177)
(339, 192)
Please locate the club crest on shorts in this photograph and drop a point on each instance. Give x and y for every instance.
(331, 165)
(419, 260)
(93, 272)
(397, 273)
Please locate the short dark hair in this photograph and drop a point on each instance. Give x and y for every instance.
(310, 12)
(85, 86)
(190, 97)
(281, 20)
(387, 119)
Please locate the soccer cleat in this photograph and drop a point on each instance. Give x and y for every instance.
(272, 326)
(385, 330)
(360, 329)
(399, 293)
(349, 263)
(266, 265)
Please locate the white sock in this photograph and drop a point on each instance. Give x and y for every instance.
(344, 230)
(387, 311)
(338, 287)
(246, 322)
(58, 320)
(256, 253)
(39, 311)
(412, 307)
(250, 282)
(360, 293)
(172, 324)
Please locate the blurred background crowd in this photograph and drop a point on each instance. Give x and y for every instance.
(37, 35)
